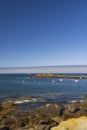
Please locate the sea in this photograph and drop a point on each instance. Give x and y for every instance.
(23, 89)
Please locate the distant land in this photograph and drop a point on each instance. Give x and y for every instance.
(46, 69)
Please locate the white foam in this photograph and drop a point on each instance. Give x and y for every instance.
(76, 80)
(23, 101)
(53, 81)
(61, 80)
(28, 100)
(73, 101)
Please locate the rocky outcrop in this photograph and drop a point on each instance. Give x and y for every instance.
(43, 118)
(49, 75)
(73, 124)
(45, 75)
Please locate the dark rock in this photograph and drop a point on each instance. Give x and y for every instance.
(41, 127)
(3, 127)
(21, 121)
(0, 106)
(52, 110)
(44, 122)
(8, 121)
(47, 127)
(21, 118)
(8, 105)
(42, 118)
(30, 129)
(70, 111)
(72, 108)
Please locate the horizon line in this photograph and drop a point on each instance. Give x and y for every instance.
(41, 66)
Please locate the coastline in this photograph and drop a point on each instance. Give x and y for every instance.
(42, 111)
(42, 118)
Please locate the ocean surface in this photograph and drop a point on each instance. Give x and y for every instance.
(41, 90)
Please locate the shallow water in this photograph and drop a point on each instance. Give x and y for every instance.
(44, 90)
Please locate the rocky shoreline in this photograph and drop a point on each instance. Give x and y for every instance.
(49, 75)
(43, 118)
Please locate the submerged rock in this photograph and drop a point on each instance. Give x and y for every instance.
(73, 124)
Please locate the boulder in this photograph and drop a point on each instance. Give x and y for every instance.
(73, 124)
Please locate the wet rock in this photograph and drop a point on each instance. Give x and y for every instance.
(44, 122)
(10, 122)
(43, 118)
(21, 118)
(3, 127)
(83, 109)
(21, 121)
(0, 107)
(72, 108)
(52, 109)
(8, 105)
(75, 110)
(7, 108)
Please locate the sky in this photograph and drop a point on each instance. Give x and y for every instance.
(43, 33)
(46, 69)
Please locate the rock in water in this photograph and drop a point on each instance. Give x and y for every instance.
(73, 124)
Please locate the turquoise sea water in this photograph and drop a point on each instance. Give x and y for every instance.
(45, 90)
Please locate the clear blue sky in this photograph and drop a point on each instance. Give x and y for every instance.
(43, 32)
